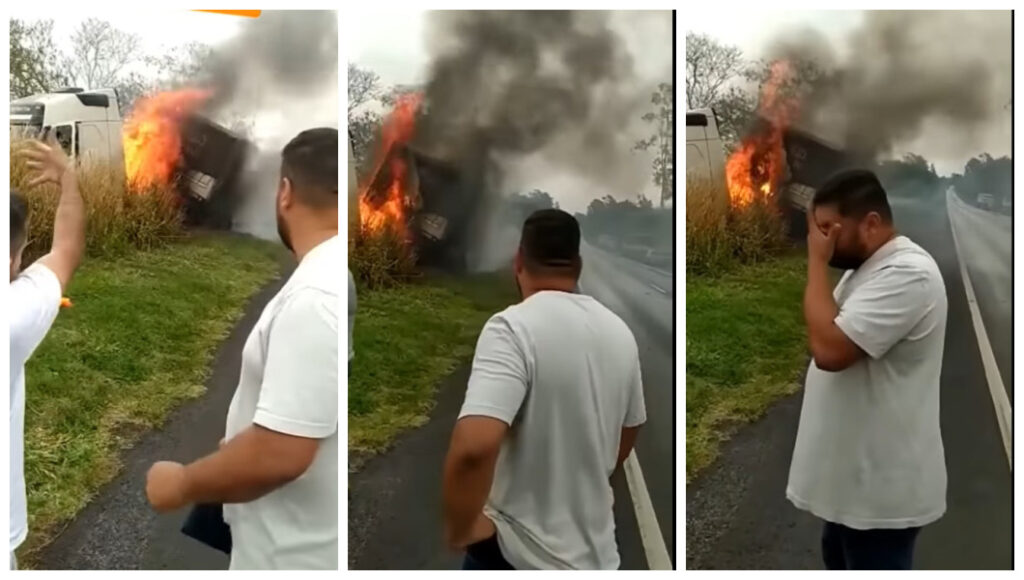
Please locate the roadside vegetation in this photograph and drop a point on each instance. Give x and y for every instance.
(744, 328)
(150, 305)
(411, 331)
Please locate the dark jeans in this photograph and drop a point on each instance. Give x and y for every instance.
(485, 555)
(849, 549)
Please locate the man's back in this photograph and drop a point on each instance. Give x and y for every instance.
(551, 499)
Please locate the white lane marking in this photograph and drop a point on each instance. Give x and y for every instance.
(650, 533)
(1001, 402)
(658, 288)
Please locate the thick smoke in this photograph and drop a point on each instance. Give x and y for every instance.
(276, 78)
(505, 85)
(900, 73)
(280, 55)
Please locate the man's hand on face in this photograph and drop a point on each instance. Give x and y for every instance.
(47, 160)
(165, 486)
(820, 245)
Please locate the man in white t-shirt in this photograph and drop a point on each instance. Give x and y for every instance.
(868, 458)
(277, 470)
(552, 409)
(35, 297)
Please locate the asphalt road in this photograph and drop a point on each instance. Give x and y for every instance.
(986, 239)
(737, 513)
(642, 296)
(118, 530)
(394, 499)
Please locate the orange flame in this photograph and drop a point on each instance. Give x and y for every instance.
(152, 135)
(756, 168)
(386, 207)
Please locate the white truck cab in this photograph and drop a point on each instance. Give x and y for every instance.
(87, 124)
(705, 152)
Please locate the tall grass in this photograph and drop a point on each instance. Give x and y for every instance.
(381, 258)
(120, 217)
(720, 236)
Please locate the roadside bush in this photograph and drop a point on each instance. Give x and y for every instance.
(381, 258)
(120, 218)
(720, 236)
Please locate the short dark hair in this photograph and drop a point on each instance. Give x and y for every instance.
(855, 193)
(310, 162)
(550, 242)
(19, 220)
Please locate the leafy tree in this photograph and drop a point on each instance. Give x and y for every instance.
(35, 66)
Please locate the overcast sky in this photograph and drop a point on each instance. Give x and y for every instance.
(159, 30)
(394, 45)
(752, 31)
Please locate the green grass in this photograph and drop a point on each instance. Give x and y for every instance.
(407, 339)
(745, 348)
(137, 341)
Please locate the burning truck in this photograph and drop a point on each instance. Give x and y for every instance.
(431, 202)
(779, 163)
(164, 141)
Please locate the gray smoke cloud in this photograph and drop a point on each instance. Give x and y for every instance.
(903, 72)
(281, 54)
(506, 85)
(277, 77)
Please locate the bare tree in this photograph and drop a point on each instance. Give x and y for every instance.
(663, 117)
(363, 87)
(34, 59)
(100, 54)
(710, 66)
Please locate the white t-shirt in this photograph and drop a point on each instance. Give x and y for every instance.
(868, 450)
(563, 371)
(34, 302)
(289, 384)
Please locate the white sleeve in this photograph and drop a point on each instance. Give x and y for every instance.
(35, 300)
(299, 394)
(885, 309)
(498, 381)
(636, 410)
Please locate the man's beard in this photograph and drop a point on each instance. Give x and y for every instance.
(282, 231)
(846, 261)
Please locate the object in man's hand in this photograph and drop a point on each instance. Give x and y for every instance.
(206, 523)
(65, 302)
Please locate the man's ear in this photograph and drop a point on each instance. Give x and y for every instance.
(285, 193)
(518, 262)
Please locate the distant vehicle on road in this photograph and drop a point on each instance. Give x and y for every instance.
(986, 200)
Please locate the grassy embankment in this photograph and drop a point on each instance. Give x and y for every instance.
(411, 331)
(744, 328)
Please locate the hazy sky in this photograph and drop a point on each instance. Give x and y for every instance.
(394, 45)
(752, 31)
(159, 30)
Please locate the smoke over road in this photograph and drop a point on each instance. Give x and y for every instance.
(278, 76)
(541, 99)
(902, 73)
(561, 85)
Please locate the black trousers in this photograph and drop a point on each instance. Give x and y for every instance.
(485, 555)
(845, 548)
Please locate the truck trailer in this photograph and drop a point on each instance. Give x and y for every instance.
(89, 127)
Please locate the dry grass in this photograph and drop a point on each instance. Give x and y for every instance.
(381, 259)
(120, 218)
(720, 237)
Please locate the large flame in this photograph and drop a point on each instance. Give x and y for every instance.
(152, 135)
(385, 206)
(756, 168)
